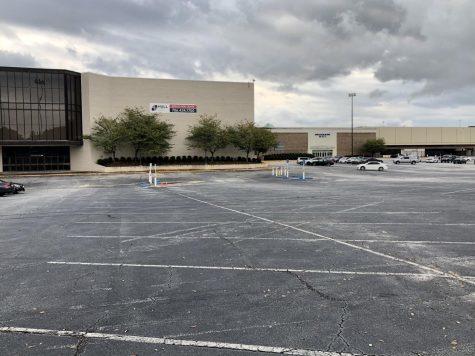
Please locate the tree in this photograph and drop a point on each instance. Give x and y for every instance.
(107, 134)
(242, 136)
(145, 132)
(263, 140)
(208, 135)
(374, 146)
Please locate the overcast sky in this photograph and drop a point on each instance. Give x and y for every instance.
(411, 62)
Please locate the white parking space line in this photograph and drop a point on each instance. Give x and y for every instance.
(352, 245)
(252, 269)
(283, 223)
(359, 207)
(459, 191)
(191, 229)
(160, 222)
(185, 237)
(241, 238)
(383, 223)
(429, 242)
(171, 341)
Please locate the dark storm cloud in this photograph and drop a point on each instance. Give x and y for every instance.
(428, 41)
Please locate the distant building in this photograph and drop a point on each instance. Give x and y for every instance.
(327, 141)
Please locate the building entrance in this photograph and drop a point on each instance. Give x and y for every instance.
(29, 159)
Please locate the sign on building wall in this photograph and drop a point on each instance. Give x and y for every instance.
(322, 134)
(168, 108)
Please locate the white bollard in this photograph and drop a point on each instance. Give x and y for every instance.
(287, 172)
(273, 171)
(150, 174)
(303, 172)
(155, 178)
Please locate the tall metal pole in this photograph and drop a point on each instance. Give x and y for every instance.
(352, 95)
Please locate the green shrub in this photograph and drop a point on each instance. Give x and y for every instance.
(284, 156)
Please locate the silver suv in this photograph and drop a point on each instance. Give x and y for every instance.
(406, 159)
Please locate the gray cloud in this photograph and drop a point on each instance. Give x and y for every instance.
(14, 59)
(377, 93)
(289, 43)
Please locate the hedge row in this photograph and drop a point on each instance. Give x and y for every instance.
(283, 156)
(166, 160)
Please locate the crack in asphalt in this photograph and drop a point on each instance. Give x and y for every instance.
(343, 315)
(80, 345)
(313, 289)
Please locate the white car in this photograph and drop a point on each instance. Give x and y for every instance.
(372, 166)
(432, 160)
(302, 160)
(343, 160)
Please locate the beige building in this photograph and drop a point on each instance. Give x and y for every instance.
(104, 95)
(327, 141)
(44, 113)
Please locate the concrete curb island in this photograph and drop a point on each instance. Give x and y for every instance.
(145, 169)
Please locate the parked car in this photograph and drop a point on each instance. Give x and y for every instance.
(372, 166)
(460, 160)
(434, 159)
(6, 188)
(319, 162)
(406, 159)
(355, 160)
(301, 160)
(15, 188)
(336, 159)
(343, 159)
(447, 158)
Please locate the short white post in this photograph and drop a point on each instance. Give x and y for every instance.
(155, 180)
(150, 174)
(273, 171)
(303, 172)
(287, 172)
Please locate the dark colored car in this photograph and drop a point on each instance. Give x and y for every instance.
(447, 158)
(14, 188)
(6, 188)
(460, 160)
(319, 162)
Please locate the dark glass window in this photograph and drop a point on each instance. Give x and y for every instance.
(39, 106)
(35, 158)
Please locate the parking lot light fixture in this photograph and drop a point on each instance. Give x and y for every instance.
(352, 95)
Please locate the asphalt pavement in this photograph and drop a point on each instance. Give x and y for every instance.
(231, 263)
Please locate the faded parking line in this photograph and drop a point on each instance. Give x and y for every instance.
(252, 269)
(170, 341)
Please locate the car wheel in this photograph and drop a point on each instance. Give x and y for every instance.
(362, 168)
(380, 169)
(397, 162)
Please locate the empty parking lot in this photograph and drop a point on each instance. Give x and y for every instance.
(360, 263)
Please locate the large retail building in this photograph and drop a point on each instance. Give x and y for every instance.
(44, 113)
(327, 141)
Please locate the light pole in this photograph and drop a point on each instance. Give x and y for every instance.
(352, 95)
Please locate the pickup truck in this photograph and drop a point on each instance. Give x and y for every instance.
(406, 159)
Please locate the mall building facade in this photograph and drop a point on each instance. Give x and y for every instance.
(332, 141)
(44, 113)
